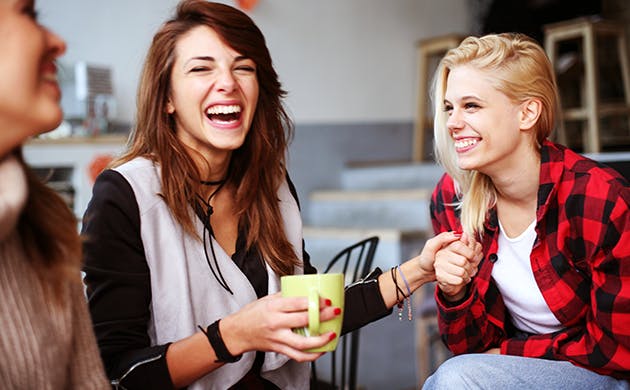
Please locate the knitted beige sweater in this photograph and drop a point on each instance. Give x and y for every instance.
(44, 344)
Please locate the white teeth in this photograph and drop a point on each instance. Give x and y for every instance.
(465, 142)
(219, 109)
(50, 77)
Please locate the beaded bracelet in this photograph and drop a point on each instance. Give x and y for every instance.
(400, 302)
(408, 298)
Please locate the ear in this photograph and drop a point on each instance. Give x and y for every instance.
(529, 114)
(170, 108)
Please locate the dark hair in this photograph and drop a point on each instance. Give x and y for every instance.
(257, 168)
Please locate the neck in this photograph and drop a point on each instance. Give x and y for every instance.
(214, 169)
(519, 183)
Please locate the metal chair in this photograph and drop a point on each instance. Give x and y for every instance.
(354, 262)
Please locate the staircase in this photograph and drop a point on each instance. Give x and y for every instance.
(390, 201)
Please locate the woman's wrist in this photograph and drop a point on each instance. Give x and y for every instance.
(455, 299)
(416, 275)
(234, 343)
(215, 338)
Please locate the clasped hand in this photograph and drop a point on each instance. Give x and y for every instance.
(455, 266)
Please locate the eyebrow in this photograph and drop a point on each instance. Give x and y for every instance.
(466, 98)
(212, 59)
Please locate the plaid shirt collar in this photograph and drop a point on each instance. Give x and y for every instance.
(552, 158)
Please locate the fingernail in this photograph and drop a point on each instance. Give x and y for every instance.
(332, 336)
(337, 311)
(328, 302)
(457, 232)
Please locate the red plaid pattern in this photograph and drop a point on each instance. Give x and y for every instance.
(581, 262)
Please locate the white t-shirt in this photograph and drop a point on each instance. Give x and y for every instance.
(514, 277)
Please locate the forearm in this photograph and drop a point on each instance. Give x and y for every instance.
(411, 271)
(190, 359)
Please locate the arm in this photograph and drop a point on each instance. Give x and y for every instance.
(464, 321)
(86, 368)
(418, 270)
(118, 286)
(373, 297)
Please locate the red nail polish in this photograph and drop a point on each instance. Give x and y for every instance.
(328, 302)
(337, 311)
(332, 336)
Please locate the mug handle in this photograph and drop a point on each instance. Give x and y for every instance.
(313, 312)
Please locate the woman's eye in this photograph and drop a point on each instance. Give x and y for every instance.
(470, 106)
(199, 69)
(447, 109)
(246, 69)
(30, 12)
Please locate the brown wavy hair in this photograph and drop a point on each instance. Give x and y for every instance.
(49, 233)
(257, 168)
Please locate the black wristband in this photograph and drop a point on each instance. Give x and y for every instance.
(216, 341)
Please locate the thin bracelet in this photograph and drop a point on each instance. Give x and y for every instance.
(408, 298)
(398, 290)
(404, 280)
(399, 302)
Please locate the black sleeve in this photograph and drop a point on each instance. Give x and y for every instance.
(363, 303)
(118, 286)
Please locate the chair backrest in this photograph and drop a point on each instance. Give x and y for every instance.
(355, 262)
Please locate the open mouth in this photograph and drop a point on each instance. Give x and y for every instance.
(465, 143)
(224, 113)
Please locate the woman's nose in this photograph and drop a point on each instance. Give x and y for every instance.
(226, 82)
(56, 44)
(454, 121)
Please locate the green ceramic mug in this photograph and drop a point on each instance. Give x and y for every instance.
(314, 286)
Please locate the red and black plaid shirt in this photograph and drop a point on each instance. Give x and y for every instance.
(581, 262)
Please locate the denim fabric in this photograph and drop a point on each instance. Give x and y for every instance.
(489, 371)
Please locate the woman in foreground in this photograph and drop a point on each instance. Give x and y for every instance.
(46, 339)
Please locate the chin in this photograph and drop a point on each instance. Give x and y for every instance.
(50, 123)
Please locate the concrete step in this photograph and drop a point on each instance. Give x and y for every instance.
(391, 176)
(394, 247)
(402, 209)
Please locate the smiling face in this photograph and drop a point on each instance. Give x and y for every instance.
(484, 123)
(29, 93)
(214, 91)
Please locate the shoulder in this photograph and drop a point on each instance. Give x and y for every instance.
(111, 186)
(582, 175)
(582, 186)
(144, 178)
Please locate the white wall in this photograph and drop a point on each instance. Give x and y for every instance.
(341, 60)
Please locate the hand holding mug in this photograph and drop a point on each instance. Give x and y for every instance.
(266, 325)
(314, 286)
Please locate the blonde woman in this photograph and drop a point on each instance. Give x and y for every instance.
(549, 305)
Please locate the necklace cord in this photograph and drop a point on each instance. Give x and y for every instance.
(207, 228)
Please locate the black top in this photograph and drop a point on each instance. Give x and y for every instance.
(119, 291)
